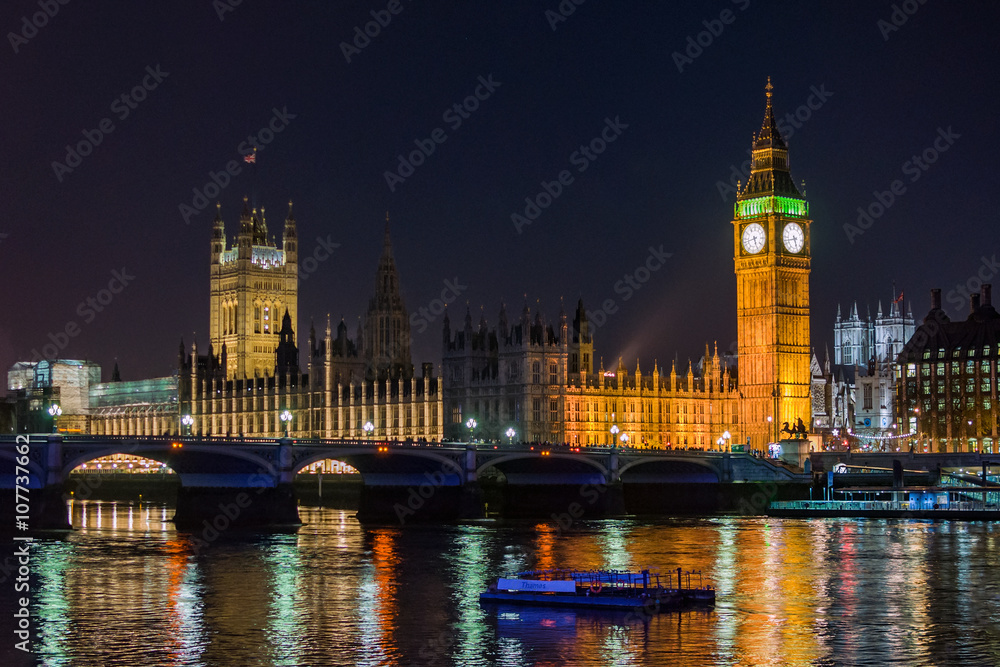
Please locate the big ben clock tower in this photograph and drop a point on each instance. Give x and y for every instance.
(772, 246)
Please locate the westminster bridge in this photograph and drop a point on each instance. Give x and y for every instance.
(250, 479)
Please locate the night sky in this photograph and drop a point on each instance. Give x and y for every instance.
(885, 96)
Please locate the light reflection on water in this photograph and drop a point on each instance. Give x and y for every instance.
(127, 589)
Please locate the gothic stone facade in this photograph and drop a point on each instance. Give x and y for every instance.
(540, 381)
(251, 371)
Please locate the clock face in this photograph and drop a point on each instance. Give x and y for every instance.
(793, 237)
(753, 238)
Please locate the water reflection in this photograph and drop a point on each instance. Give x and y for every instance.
(376, 610)
(127, 589)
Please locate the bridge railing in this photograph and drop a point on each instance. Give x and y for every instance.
(561, 448)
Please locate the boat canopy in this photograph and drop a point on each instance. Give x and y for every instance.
(536, 586)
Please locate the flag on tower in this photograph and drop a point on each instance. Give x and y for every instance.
(251, 158)
(900, 298)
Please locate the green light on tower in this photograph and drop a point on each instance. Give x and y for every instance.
(749, 208)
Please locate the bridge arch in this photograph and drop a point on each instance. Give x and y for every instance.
(8, 466)
(188, 461)
(399, 465)
(666, 470)
(548, 464)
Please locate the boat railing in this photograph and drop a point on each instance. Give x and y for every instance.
(869, 505)
(622, 580)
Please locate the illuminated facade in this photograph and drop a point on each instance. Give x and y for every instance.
(346, 383)
(251, 372)
(253, 284)
(947, 379)
(855, 392)
(540, 381)
(857, 340)
(771, 240)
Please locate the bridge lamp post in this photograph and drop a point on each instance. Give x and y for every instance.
(624, 439)
(55, 411)
(286, 417)
(471, 424)
(368, 428)
(726, 436)
(614, 434)
(721, 442)
(510, 436)
(187, 420)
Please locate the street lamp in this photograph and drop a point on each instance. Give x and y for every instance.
(471, 425)
(624, 439)
(54, 411)
(368, 428)
(187, 420)
(614, 434)
(726, 436)
(286, 417)
(510, 435)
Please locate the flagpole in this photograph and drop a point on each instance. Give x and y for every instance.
(253, 180)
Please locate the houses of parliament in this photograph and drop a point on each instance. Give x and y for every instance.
(537, 376)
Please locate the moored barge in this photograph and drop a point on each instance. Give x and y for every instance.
(603, 589)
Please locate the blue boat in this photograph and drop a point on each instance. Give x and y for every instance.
(643, 591)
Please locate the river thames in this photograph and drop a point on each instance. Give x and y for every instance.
(126, 588)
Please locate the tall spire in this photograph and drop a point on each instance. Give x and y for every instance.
(769, 136)
(387, 323)
(769, 172)
(386, 241)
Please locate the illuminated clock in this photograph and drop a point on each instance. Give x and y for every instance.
(793, 237)
(753, 238)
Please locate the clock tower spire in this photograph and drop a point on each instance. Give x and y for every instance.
(771, 238)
